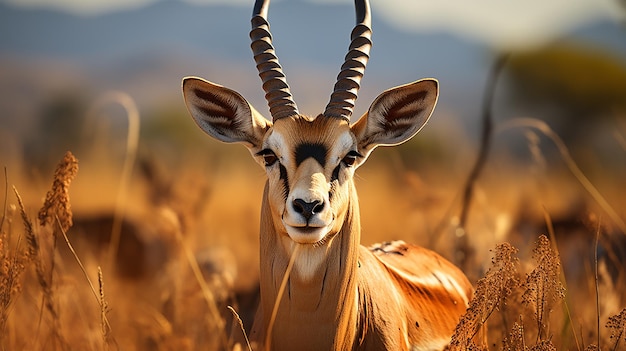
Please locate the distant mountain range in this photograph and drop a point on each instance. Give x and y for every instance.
(146, 51)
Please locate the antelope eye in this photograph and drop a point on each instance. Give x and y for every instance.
(269, 157)
(350, 159)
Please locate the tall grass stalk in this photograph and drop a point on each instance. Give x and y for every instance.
(463, 250)
(543, 287)
(552, 235)
(43, 278)
(13, 263)
(132, 141)
(240, 322)
(543, 127)
(279, 296)
(105, 325)
(206, 291)
(80, 264)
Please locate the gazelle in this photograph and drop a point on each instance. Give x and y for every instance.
(339, 295)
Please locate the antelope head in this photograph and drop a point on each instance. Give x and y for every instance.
(310, 160)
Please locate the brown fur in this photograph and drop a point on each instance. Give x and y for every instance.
(339, 295)
(391, 314)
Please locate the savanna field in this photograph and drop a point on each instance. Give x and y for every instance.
(124, 227)
(545, 247)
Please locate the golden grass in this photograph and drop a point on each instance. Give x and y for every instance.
(193, 231)
(520, 297)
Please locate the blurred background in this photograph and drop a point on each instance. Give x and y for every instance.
(567, 68)
(58, 56)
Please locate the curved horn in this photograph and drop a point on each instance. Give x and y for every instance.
(348, 81)
(277, 92)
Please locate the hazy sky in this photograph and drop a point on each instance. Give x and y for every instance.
(499, 22)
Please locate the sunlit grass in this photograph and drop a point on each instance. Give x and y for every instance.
(189, 249)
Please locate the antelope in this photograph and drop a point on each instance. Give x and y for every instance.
(338, 295)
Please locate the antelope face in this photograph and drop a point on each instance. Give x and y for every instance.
(310, 161)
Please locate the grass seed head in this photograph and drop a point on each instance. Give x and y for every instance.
(617, 325)
(57, 201)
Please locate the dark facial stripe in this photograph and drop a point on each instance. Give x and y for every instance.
(335, 175)
(285, 179)
(306, 150)
(333, 188)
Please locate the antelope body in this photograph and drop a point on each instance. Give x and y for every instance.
(338, 294)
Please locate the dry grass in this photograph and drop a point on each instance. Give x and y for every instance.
(502, 289)
(520, 301)
(492, 292)
(188, 249)
(617, 325)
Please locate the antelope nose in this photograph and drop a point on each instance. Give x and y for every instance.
(307, 209)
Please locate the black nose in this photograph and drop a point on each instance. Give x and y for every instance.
(307, 209)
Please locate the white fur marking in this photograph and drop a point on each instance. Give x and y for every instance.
(343, 144)
(309, 260)
(276, 142)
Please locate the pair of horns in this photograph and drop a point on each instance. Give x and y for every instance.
(275, 85)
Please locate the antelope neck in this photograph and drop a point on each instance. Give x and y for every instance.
(321, 310)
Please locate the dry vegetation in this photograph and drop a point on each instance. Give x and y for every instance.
(549, 251)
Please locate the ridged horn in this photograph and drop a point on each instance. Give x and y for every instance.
(277, 93)
(349, 79)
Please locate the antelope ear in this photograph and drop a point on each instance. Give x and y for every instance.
(396, 115)
(223, 113)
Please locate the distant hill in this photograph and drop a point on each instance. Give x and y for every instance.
(304, 32)
(146, 51)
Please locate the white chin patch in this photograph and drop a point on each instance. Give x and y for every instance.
(307, 235)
